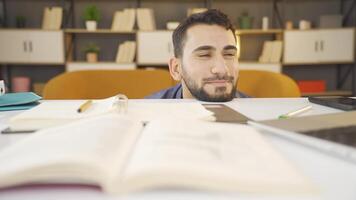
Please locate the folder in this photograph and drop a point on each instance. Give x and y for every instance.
(18, 101)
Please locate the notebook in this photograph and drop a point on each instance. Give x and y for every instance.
(18, 101)
(331, 133)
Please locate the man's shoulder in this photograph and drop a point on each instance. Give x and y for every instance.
(241, 95)
(174, 92)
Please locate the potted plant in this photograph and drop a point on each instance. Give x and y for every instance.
(1, 22)
(20, 21)
(245, 21)
(91, 51)
(91, 17)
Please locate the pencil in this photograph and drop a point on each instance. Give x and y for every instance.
(84, 106)
(295, 112)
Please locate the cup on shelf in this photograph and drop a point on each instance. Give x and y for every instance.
(265, 23)
(172, 25)
(20, 84)
(304, 25)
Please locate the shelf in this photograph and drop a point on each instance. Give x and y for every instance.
(28, 29)
(330, 93)
(255, 65)
(76, 66)
(258, 31)
(298, 64)
(98, 31)
(259, 63)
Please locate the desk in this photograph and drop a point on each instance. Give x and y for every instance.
(336, 178)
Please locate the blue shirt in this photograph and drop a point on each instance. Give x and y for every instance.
(176, 93)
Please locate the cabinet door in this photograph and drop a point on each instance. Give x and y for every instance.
(300, 47)
(14, 47)
(47, 47)
(337, 45)
(154, 48)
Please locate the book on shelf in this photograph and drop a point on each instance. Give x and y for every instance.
(191, 11)
(276, 51)
(124, 20)
(52, 18)
(122, 155)
(126, 52)
(145, 19)
(271, 52)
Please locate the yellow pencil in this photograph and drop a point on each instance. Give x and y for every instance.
(84, 106)
(295, 112)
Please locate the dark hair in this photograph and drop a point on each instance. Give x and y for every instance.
(210, 17)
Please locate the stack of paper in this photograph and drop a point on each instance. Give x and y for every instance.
(124, 20)
(272, 52)
(145, 19)
(49, 113)
(52, 18)
(126, 52)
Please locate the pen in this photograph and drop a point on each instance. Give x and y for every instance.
(295, 112)
(84, 106)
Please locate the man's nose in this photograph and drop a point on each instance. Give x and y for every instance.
(220, 66)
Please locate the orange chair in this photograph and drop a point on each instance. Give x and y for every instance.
(97, 84)
(257, 83)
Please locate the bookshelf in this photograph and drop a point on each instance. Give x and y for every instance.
(74, 34)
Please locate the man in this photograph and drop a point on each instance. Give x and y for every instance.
(205, 59)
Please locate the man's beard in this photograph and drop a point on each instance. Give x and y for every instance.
(200, 94)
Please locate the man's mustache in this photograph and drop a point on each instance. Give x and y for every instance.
(217, 78)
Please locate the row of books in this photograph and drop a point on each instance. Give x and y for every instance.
(271, 52)
(125, 20)
(126, 52)
(52, 18)
(122, 21)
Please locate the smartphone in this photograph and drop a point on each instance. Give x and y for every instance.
(343, 103)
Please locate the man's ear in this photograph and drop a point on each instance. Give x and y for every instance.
(175, 68)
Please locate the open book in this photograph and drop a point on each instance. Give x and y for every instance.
(55, 113)
(122, 155)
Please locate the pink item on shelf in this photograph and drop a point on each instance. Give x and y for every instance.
(20, 84)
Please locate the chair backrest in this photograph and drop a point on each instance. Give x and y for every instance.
(96, 84)
(257, 83)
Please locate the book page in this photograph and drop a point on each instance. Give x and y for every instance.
(209, 155)
(88, 151)
(54, 113)
(153, 110)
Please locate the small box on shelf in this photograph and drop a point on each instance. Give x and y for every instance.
(312, 86)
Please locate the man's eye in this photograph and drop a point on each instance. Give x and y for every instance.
(229, 54)
(204, 55)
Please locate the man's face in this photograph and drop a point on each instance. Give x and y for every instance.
(209, 65)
